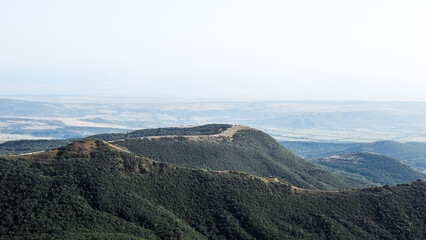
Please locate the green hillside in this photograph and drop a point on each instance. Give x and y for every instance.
(91, 190)
(247, 150)
(374, 167)
(413, 153)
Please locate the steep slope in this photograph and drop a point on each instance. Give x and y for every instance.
(374, 167)
(92, 190)
(238, 148)
(413, 153)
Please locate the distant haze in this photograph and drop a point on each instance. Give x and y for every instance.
(336, 121)
(324, 50)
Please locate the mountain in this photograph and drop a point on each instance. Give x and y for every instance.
(413, 153)
(374, 167)
(225, 147)
(93, 190)
(214, 147)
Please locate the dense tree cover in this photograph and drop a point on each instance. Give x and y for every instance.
(374, 167)
(249, 151)
(90, 190)
(208, 129)
(69, 194)
(413, 153)
(27, 146)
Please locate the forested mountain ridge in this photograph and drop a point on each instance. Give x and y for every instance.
(221, 147)
(374, 167)
(93, 190)
(237, 148)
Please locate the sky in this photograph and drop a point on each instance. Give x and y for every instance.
(288, 50)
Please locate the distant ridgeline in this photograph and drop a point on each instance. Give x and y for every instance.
(93, 190)
(413, 153)
(373, 167)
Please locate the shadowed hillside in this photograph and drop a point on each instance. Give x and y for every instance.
(374, 167)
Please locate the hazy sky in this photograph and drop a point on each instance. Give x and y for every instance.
(368, 50)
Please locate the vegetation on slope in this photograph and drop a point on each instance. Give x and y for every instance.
(249, 151)
(69, 192)
(92, 190)
(374, 167)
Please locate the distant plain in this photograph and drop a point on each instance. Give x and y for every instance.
(330, 121)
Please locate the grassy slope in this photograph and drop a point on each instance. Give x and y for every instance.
(374, 167)
(90, 189)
